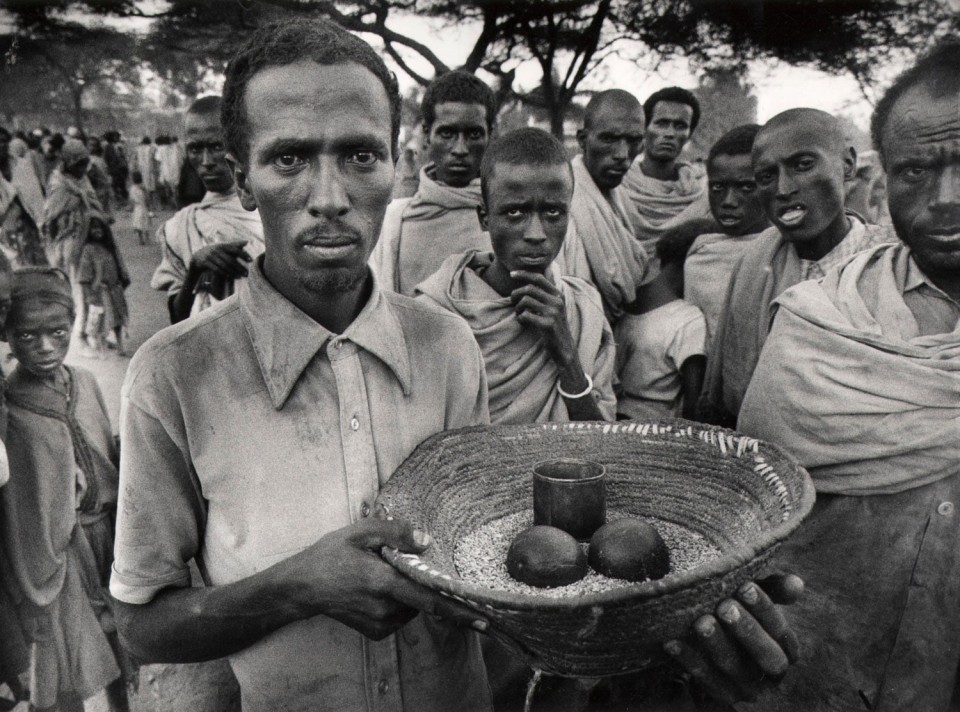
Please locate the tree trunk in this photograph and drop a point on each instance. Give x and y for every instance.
(77, 93)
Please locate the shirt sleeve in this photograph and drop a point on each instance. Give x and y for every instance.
(690, 340)
(172, 271)
(160, 511)
(467, 402)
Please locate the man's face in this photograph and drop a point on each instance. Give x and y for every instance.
(526, 212)
(800, 175)
(40, 337)
(320, 170)
(206, 152)
(921, 150)
(611, 143)
(456, 141)
(668, 130)
(734, 200)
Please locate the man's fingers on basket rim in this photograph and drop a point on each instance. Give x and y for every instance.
(696, 664)
(757, 643)
(771, 618)
(782, 588)
(436, 604)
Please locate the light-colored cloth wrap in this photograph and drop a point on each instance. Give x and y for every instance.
(70, 204)
(420, 232)
(522, 377)
(654, 203)
(847, 386)
(219, 217)
(600, 246)
(770, 266)
(710, 265)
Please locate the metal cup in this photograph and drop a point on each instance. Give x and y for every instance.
(569, 494)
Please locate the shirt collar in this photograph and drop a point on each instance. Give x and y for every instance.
(917, 278)
(285, 340)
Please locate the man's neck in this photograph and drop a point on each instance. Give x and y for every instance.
(333, 311)
(817, 249)
(662, 290)
(659, 170)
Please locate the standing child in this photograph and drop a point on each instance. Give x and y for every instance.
(103, 277)
(59, 505)
(141, 213)
(661, 340)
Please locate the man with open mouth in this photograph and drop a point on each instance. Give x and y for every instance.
(800, 162)
(859, 381)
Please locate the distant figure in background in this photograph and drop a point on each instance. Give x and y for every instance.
(116, 160)
(21, 208)
(660, 185)
(50, 147)
(866, 194)
(142, 217)
(146, 163)
(208, 245)
(99, 174)
(171, 158)
(737, 209)
(103, 277)
(440, 220)
(408, 168)
(71, 203)
(661, 340)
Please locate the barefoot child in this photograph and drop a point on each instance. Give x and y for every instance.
(661, 339)
(141, 213)
(59, 505)
(103, 277)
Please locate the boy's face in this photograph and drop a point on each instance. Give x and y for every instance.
(96, 231)
(734, 200)
(40, 336)
(526, 212)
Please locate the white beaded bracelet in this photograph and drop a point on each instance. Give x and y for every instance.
(586, 391)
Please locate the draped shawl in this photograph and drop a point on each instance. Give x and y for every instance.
(654, 203)
(522, 377)
(420, 232)
(600, 246)
(849, 388)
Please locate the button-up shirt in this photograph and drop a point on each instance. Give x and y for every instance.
(249, 433)
(856, 240)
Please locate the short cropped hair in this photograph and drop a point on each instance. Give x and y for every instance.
(206, 105)
(938, 69)
(737, 141)
(674, 94)
(460, 87)
(526, 146)
(675, 242)
(282, 43)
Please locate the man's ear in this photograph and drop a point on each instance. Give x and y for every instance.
(849, 163)
(482, 215)
(240, 179)
(582, 139)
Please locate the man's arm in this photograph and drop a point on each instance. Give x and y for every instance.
(539, 305)
(341, 576)
(225, 259)
(691, 377)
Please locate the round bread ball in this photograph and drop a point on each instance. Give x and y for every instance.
(629, 549)
(546, 557)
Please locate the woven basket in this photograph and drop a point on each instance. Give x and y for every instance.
(744, 496)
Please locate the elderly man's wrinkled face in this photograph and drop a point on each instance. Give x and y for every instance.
(800, 175)
(668, 131)
(921, 154)
(320, 170)
(611, 142)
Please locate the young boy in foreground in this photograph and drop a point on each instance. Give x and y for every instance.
(661, 353)
(547, 348)
(58, 508)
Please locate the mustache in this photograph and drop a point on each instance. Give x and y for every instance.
(331, 232)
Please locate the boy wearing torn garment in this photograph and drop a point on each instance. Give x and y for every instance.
(440, 220)
(547, 348)
(58, 508)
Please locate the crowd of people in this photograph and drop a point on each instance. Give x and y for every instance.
(321, 329)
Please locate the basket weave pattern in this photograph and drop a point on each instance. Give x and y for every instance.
(742, 495)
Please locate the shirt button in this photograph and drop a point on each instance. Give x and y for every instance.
(364, 510)
(336, 343)
(383, 686)
(354, 423)
(945, 508)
